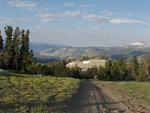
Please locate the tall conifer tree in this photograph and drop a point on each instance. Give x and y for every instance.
(16, 48)
(8, 46)
(1, 41)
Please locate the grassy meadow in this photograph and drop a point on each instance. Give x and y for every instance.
(138, 90)
(34, 94)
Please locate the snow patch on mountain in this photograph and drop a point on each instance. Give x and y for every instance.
(136, 44)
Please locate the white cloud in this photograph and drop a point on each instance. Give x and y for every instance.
(69, 4)
(22, 4)
(125, 21)
(72, 13)
(48, 16)
(106, 13)
(96, 17)
(42, 14)
(59, 16)
(88, 6)
(14, 20)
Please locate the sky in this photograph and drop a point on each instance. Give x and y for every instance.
(79, 23)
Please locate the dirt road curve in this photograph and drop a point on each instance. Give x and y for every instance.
(93, 98)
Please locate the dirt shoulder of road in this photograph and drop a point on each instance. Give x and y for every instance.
(94, 98)
(131, 102)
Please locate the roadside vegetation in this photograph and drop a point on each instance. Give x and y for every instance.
(35, 94)
(134, 93)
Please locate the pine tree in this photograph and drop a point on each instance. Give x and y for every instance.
(9, 33)
(1, 41)
(135, 67)
(142, 74)
(146, 65)
(8, 47)
(75, 72)
(26, 55)
(1, 51)
(102, 73)
(16, 48)
(92, 72)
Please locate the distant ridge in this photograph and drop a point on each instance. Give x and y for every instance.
(56, 52)
(37, 47)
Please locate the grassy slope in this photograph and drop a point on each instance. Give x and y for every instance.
(138, 90)
(34, 94)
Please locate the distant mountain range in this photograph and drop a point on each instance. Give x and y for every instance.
(54, 51)
(37, 47)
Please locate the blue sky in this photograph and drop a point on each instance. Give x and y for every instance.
(79, 22)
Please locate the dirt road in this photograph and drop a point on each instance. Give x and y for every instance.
(93, 98)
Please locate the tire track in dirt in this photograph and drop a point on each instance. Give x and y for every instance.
(94, 99)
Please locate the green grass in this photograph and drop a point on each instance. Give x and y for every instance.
(138, 90)
(35, 94)
(5, 73)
